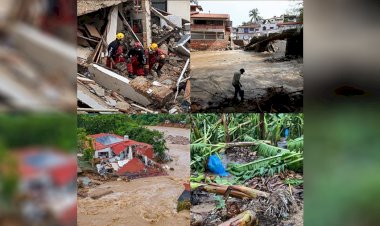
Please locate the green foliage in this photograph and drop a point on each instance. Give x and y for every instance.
(209, 132)
(296, 144)
(55, 130)
(221, 203)
(9, 178)
(254, 15)
(265, 166)
(123, 125)
(152, 120)
(293, 181)
(224, 181)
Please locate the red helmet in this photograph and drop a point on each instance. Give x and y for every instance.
(137, 44)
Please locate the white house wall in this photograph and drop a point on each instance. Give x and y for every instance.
(104, 150)
(179, 8)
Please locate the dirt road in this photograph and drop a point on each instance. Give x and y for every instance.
(145, 201)
(212, 73)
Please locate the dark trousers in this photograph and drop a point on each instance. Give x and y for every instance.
(239, 91)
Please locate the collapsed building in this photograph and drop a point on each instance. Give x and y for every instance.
(124, 157)
(37, 55)
(47, 177)
(104, 90)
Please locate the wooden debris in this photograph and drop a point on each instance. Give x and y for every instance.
(86, 80)
(235, 191)
(99, 193)
(129, 27)
(247, 218)
(92, 30)
(97, 110)
(145, 109)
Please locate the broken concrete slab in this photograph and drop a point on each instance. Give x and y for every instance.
(98, 90)
(90, 99)
(89, 6)
(123, 106)
(181, 45)
(161, 94)
(117, 83)
(110, 101)
(112, 25)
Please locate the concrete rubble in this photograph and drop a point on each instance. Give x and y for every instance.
(111, 90)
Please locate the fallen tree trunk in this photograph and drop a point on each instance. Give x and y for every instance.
(247, 218)
(263, 40)
(243, 144)
(234, 190)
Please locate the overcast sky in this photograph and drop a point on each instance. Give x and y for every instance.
(239, 10)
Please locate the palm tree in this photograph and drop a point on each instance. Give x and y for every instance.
(254, 15)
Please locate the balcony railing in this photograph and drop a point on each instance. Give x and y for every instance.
(204, 26)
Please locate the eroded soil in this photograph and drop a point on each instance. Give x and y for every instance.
(212, 72)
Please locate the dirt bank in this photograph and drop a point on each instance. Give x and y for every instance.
(179, 153)
(212, 73)
(145, 201)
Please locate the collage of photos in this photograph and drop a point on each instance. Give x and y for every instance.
(187, 112)
(241, 164)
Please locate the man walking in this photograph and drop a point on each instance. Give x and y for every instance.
(236, 83)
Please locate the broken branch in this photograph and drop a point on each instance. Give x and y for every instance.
(247, 218)
(234, 190)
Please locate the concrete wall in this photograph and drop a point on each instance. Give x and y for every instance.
(179, 8)
(208, 44)
(96, 154)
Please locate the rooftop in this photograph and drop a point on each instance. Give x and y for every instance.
(210, 16)
(115, 142)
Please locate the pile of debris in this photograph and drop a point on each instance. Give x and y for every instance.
(105, 90)
(35, 70)
(271, 99)
(178, 140)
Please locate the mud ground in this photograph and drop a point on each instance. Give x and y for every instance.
(212, 72)
(144, 201)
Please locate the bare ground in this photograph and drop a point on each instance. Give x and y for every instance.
(212, 72)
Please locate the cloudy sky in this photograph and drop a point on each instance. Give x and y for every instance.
(238, 10)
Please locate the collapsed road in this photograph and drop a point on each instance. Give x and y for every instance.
(144, 201)
(212, 72)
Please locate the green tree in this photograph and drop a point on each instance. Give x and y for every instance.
(254, 15)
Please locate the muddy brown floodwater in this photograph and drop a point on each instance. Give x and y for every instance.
(212, 72)
(144, 201)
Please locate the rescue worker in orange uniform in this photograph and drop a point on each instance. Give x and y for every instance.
(115, 51)
(136, 60)
(156, 58)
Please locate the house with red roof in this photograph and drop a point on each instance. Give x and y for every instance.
(111, 145)
(125, 156)
(48, 177)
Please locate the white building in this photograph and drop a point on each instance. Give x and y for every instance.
(179, 8)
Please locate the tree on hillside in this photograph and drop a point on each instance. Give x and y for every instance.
(296, 10)
(254, 15)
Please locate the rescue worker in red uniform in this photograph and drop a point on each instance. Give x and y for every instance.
(115, 51)
(136, 60)
(156, 58)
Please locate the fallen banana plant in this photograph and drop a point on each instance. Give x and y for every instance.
(247, 218)
(233, 190)
(201, 151)
(269, 165)
(296, 144)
